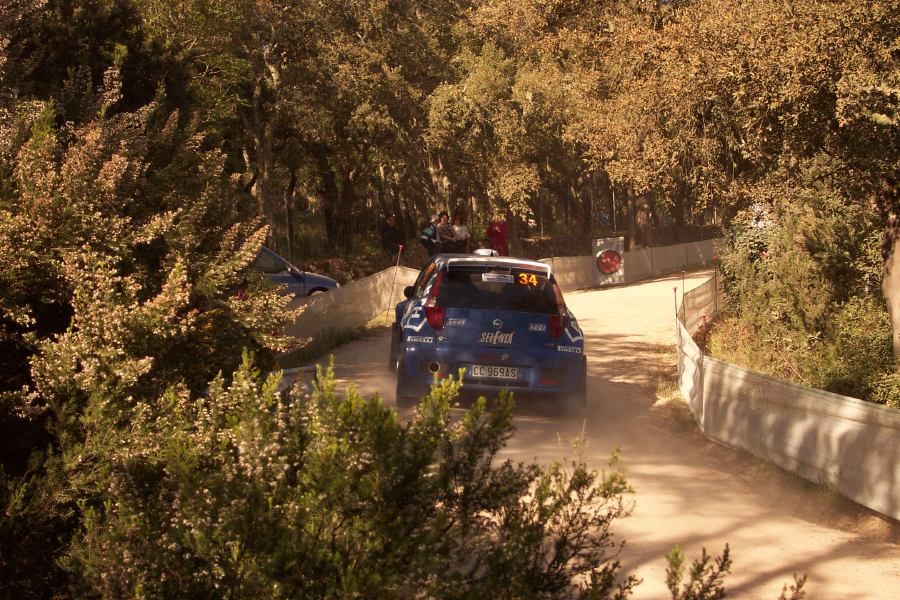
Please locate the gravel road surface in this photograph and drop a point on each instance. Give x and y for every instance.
(688, 491)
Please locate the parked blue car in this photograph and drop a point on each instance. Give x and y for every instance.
(503, 320)
(278, 271)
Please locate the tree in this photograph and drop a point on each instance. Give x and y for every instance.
(123, 244)
(720, 106)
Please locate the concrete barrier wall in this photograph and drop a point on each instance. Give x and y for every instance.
(573, 272)
(353, 305)
(690, 372)
(845, 443)
(638, 265)
(829, 439)
(702, 300)
(700, 253)
(578, 272)
(668, 259)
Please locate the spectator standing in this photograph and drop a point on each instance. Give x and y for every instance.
(461, 234)
(445, 232)
(391, 238)
(497, 232)
(429, 237)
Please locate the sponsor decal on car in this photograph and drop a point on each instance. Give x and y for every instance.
(498, 277)
(416, 319)
(420, 338)
(537, 327)
(572, 349)
(455, 322)
(496, 337)
(578, 334)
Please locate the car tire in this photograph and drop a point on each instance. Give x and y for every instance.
(576, 400)
(407, 391)
(395, 348)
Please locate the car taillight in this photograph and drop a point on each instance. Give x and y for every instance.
(558, 324)
(435, 316)
(560, 321)
(433, 312)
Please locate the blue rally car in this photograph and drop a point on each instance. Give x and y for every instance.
(501, 319)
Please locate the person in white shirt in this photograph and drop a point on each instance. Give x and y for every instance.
(460, 234)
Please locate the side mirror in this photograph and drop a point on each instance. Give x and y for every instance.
(408, 292)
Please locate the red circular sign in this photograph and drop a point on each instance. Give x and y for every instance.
(609, 261)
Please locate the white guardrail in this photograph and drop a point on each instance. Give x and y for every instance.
(847, 444)
(354, 304)
(843, 443)
(358, 302)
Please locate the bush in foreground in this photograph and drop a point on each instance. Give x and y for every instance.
(249, 493)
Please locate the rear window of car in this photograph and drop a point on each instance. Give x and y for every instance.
(504, 288)
(269, 262)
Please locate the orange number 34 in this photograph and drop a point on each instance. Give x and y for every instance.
(526, 279)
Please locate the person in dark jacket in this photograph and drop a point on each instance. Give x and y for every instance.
(391, 238)
(445, 232)
(429, 237)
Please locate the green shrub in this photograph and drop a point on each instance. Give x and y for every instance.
(886, 389)
(858, 353)
(802, 278)
(245, 493)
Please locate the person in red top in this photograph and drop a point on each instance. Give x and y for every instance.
(496, 233)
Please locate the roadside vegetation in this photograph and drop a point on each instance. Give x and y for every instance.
(149, 148)
(804, 298)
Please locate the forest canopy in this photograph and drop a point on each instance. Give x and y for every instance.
(149, 148)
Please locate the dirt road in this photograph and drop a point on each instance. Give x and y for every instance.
(688, 490)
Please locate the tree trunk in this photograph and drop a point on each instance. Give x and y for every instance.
(890, 285)
(289, 194)
(330, 194)
(631, 203)
(513, 234)
(679, 203)
(889, 206)
(259, 124)
(586, 192)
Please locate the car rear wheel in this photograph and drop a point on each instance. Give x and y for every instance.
(576, 400)
(395, 348)
(408, 394)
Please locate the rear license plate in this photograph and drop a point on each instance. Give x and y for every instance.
(495, 372)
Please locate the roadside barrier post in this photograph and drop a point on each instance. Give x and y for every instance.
(677, 335)
(716, 289)
(703, 331)
(677, 328)
(387, 311)
(702, 378)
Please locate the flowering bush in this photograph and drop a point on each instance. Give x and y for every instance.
(122, 244)
(248, 493)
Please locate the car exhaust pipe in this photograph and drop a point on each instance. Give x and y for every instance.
(434, 367)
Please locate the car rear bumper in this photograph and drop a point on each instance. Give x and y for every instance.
(541, 372)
